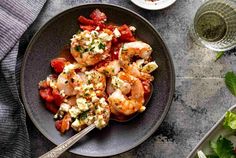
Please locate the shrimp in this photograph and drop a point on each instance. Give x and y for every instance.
(68, 79)
(89, 48)
(120, 103)
(131, 49)
(135, 71)
(110, 69)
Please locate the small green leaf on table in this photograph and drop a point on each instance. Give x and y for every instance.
(230, 81)
(219, 55)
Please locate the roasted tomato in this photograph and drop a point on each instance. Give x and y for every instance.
(147, 89)
(115, 52)
(88, 27)
(58, 64)
(126, 34)
(51, 107)
(98, 16)
(46, 94)
(86, 21)
(58, 98)
(58, 125)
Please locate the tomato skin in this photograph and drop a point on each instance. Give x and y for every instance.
(126, 34)
(147, 89)
(110, 27)
(58, 64)
(46, 94)
(98, 16)
(58, 125)
(85, 21)
(51, 107)
(87, 27)
(115, 52)
(58, 98)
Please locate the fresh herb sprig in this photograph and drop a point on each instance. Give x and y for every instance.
(230, 81)
(219, 55)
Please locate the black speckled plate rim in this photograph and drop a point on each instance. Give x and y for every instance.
(172, 77)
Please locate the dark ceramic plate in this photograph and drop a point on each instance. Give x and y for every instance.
(116, 137)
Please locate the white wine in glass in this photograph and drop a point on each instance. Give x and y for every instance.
(214, 25)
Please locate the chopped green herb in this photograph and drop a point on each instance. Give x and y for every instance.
(83, 116)
(219, 55)
(78, 48)
(86, 94)
(101, 46)
(86, 49)
(89, 81)
(223, 148)
(230, 81)
(91, 49)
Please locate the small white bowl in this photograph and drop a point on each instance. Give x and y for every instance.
(156, 5)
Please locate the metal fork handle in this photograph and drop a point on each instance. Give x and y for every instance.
(57, 151)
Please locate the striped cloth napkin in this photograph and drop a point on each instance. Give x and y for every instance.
(15, 17)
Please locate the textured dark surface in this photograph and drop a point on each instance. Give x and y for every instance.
(47, 44)
(201, 97)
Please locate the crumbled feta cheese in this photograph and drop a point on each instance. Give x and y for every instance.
(150, 67)
(132, 28)
(116, 82)
(99, 85)
(94, 33)
(100, 123)
(87, 87)
(99, 110)
(97, 50)
(69, 67)
(75, 124)
(87, 35)
(74, 111)
(116, 32)
(82, 104)
(64, 107)
(62, 93)
(97, 28)
(103, 101)
(95, 99)
(104, 36)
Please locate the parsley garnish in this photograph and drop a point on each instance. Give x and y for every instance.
(91, 49)
(83, 116)
(78, 48)
(223, 148)
(86, 49)
(101, 46)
